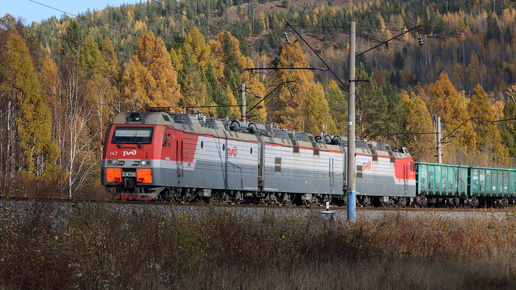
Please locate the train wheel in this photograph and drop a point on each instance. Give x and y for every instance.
(451, 202)
(457, 201)
(188, 195)
(503, 202)
(403, 202)
(363, 201)
(422, 201)
(286, 199)
(473, 202)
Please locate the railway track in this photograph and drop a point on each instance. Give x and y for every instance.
(334, 208)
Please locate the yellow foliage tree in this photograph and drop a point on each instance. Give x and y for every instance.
(196, 45)
(217, 53)
(253, 87)
(288, 101)
(489, 140)
(235, 109)
(418, 126)
(315, 115)
(448, 104)
(497, 109)
(151, 80)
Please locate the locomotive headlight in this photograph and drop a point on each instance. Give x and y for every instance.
(145, 163)
(112, 162)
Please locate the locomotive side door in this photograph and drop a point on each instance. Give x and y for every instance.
(261, 163)
(406, 171)
(331, 172)
(168, 146)
(179, 154)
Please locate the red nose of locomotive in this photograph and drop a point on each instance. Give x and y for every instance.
(128, 157)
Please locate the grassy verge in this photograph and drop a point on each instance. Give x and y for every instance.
(99, 246)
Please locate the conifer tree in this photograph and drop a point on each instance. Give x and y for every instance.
(151, 80)
(448, 104)
(197, 47)
(488, 139)
(193, 90)
(33, 127)
(418, 127)
(108, 66)
(287, 104)
(103, 94)
(508, 129)
(338, 105)
(378, 111)
(214, 90)
(89, 55)
(315, 114)
(228, 63)
(71, 41)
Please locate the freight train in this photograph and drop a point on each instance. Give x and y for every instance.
(157, 155)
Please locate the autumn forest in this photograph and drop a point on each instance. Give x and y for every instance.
(62, 81)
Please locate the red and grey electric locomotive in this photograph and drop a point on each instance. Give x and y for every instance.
(164, 156)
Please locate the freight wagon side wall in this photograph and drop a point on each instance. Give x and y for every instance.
(492, 182)
(441, 179)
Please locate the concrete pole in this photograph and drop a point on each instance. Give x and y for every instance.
(244, 105)
(351, 127)
(439, 145)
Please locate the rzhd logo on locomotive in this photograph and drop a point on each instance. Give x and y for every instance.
(232, 152)
(132, 152)
(366, 165)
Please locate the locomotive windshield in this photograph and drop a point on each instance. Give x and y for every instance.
(132, 135)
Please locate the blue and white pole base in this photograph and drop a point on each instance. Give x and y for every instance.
(352, 204)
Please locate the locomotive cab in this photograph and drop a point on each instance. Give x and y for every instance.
(132, 148)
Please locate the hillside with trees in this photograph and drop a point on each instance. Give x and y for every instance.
(62, 81)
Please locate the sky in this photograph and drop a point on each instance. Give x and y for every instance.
(31, 11)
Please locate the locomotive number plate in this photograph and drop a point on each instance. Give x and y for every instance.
(128, 174)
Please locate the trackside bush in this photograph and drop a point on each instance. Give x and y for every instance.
(44, 245)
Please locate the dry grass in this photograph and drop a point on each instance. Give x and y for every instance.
(99, 246)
